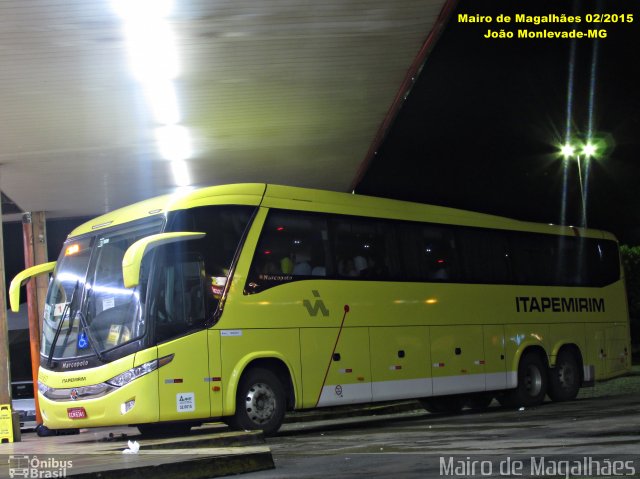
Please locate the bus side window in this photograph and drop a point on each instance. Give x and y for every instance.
(179, 302)
(429, 252)
(365, 248)
(224, 227)
(485, 256)
(607, 258)
(601, 263)
(293, 245)
(535, 259)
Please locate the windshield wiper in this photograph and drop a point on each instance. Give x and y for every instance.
(66, 310)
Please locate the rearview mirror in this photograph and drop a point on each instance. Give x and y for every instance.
(14, 288)
(133, 256)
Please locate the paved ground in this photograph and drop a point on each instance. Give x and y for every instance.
(411, 444)
(401, 441)
(210, 451)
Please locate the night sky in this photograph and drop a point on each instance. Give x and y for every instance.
(481, 126)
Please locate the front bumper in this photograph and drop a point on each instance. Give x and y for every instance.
(107, 410)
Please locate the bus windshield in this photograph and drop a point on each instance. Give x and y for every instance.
(88, 310)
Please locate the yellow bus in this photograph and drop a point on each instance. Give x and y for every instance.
(242, 302)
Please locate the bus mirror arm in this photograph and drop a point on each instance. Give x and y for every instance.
(20, 278)
(132, 258)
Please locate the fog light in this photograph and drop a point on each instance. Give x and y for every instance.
(127, 406)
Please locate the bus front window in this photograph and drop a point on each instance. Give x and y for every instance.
(89, 311)
(59, 334)
(112, 311)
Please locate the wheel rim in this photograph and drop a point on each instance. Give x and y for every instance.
(260, 403)
(533, 380)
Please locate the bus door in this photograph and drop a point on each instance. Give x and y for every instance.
(178, 314)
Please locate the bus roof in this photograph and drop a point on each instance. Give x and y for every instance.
(305, 199)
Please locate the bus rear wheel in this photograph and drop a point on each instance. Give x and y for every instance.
(532, 383)
(260, 402)
(564, 378)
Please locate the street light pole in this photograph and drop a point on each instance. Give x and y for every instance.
(583, 200)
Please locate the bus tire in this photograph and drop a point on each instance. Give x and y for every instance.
(443, 404)
(532, 383)
(260, 402)
(564, 378)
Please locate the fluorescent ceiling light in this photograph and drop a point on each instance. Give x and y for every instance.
(152, 51)
(162, 99)
(180, 173)
(140, 10)
(174, 142)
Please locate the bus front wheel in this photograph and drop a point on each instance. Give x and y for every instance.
(564, 378)
(260, 402)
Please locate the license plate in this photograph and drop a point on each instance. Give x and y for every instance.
(76, 413)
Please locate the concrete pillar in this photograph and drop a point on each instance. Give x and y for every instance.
(32, 305)
(5, 370)
(41, 256)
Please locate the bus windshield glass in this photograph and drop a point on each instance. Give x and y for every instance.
(88, 309)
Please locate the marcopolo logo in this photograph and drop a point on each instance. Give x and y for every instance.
(317, 306)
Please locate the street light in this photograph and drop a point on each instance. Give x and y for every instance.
(567, 150)
(587, 150)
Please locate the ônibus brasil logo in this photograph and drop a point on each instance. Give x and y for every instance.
(37, 467)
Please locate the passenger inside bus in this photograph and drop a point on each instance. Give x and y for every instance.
(301, 264)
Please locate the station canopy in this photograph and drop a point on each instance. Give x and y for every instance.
(104, 103)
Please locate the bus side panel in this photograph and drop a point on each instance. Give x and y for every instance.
(215, 373)
(239, 347)
(518, 338)
(608, 349)
(618, 360)
(457, 356)
(316, 347)
(495, 364)
(347, 370)
(617, 333)
(596, 346)
(400, 359)
(183, 383)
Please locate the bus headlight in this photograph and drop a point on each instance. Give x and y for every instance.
(139, 371)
